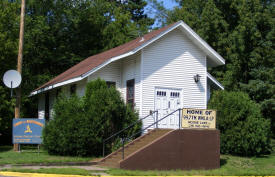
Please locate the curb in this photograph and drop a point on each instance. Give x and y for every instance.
(38, 174)
(60, 175)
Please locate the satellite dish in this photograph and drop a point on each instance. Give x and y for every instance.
(12, 79)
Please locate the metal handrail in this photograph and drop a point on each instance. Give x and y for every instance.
(158, 122)
(117, 133)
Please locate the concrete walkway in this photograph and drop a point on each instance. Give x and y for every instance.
(11, 174)
(95, 170)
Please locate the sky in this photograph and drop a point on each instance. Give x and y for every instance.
(168, 4)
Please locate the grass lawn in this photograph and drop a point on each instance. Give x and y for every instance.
(230, 165)
(30, 155)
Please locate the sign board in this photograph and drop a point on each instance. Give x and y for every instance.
(199, 118)
(27, 131)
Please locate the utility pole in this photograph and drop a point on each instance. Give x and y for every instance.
(19, 65)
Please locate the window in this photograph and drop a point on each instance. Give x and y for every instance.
(130, 92)
(111, 84)
(73, 89)
(175, 94)
(161, 93)
(47, 105)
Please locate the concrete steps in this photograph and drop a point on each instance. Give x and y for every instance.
(113, 159)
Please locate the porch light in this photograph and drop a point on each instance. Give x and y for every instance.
(197, 78)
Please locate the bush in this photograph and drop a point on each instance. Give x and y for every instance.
(243, 129)
(80, 124)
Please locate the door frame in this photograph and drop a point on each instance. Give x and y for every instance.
(168, 88)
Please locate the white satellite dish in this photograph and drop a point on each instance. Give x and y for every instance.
(12, 79)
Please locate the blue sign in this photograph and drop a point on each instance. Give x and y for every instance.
(27, 131)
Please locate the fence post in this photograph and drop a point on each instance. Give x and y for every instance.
(103, 149)
(157, 119)
(179, 117)
(123, 148)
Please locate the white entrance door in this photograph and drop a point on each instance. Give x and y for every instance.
(167, 101)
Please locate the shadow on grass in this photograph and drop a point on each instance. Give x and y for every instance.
(5, 148)
(223, 161)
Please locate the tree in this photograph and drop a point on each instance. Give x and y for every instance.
(61, 33)
(243, 129)
(9, 31)
(81, 124)
(243, 33)
(6, 115)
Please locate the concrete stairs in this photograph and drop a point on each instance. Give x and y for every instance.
(113, 159)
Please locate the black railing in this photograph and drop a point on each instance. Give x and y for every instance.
(119, 132)
(142, 130)
(156, 122)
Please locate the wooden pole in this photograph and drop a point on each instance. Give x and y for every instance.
(19, 65)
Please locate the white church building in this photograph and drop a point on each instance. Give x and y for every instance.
(163, 70)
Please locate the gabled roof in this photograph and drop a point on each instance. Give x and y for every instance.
(95, 62)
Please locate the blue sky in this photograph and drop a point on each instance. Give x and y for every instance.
(168, 4)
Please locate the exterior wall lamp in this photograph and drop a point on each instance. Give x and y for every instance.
(197, 78)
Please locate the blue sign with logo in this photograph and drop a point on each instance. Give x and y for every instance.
(27, 131)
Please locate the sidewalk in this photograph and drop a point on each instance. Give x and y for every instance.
(95, 170)
(36, 175)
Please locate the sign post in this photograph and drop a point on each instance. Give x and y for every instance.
(199, 118)
(19, 64)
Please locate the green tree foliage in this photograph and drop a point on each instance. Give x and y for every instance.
(61, 33)
(9, 31)
(243, 33)
(6, 115)
(243, 129)
(80, 124)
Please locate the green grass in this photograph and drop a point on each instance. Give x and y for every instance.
(30, 155)
(65, 171)
(234, 166)
(230, 166)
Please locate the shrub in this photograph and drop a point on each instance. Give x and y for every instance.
(80, 124)
(243, 129)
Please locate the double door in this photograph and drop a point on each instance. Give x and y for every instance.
(167, 101)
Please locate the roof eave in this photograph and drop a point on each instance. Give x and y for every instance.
(216, 58)
(56, 85)
(108, 61)
(213, 55)
(217, 83)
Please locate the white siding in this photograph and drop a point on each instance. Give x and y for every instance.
(172, 62)
(80, 91)
(111, 72)
(52, 96)
(131, 70)
(80, 87)
(41, 106)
